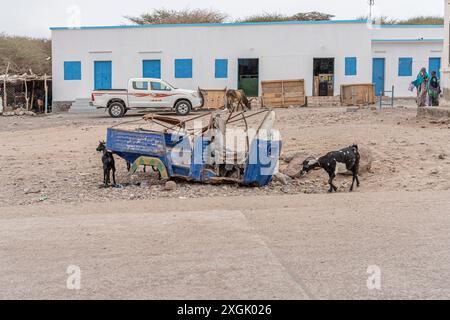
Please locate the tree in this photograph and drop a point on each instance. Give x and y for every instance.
(434, 20)
(165, 16)
(25, 53)
(419, 20)
(274, 17)
(312, 16)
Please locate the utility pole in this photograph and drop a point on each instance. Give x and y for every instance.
(371, 4)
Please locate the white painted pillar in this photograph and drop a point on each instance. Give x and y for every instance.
(445, 72)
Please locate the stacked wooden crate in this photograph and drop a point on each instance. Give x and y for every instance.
(214, 99)
(283, 93)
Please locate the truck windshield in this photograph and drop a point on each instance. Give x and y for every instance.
(169, 85)
(160, 86)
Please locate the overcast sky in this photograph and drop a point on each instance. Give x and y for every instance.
(33, 18)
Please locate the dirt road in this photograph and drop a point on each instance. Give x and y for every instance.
(206, 242)
(291, 247)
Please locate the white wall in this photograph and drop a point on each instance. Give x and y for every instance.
(420, 52)
(285, 52)
(408, 32)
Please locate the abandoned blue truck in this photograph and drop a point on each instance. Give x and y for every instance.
(198, 157)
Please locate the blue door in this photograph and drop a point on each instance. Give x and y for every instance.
(102, 75)
(378, 75)
(152, 69)
(435, 65)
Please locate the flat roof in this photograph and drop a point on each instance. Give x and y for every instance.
(234, 24)
(408, 40)
(227, 24)
(399, 26)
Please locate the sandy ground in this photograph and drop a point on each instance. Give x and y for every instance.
(54, 158)
(227, 241)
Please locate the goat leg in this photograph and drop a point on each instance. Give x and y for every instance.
(332, 186)
(114, 176)
(105, 178)
(108, 177)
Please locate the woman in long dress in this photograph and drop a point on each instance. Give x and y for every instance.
(434, 90)
(421, 83)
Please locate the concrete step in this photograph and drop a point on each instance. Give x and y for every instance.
(317, 101)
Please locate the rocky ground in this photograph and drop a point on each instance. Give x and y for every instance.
(52, 159)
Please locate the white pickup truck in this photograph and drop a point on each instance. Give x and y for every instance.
(145, 93)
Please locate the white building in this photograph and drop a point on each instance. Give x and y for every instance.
(445, 83)
(242, 55)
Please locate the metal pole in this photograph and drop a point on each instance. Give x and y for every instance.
(371, 4)
(392, 101)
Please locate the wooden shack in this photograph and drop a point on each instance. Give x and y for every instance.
(283, 93)
(23, 91)
(358, 94)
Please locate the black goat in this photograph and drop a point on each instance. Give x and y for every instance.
(336, 162)
(108, 165)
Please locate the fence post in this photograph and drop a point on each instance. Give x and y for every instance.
(46, 93)
(5, 96)
(392, 100)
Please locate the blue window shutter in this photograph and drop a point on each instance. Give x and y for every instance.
(405, 67)
(350, 66)
(221, 68)
(183, 68)
(72, 70)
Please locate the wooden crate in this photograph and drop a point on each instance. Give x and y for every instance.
(358, 94)
(214, 99)
(283, 93)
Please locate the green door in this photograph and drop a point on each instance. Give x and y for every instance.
(248, 74)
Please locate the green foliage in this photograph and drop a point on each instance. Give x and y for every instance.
(431, 20)
(419, 20)
(274, 17)
(25, 53)
(165, 16)
(265, 17)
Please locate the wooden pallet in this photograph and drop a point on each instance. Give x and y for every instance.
(358, 94)
(214, 99)
(283, 93)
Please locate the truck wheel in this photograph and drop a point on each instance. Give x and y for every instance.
(183, 108)
(116, 110)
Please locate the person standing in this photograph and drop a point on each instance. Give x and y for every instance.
(421, 84)
(434, 90)
(40, 100)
